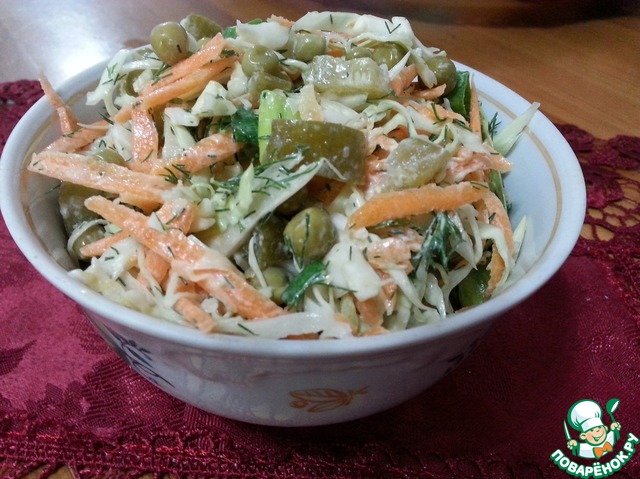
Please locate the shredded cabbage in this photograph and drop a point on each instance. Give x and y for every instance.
(221, 225)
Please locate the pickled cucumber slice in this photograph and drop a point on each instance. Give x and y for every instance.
(343, 147)
(347, 77)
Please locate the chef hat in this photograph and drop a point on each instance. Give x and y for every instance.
(585, 415)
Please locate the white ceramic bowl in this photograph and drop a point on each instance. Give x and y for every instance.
(301, 383)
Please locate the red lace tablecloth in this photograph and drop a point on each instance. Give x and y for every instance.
(66, 399)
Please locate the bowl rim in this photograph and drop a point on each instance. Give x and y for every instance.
(567, 229)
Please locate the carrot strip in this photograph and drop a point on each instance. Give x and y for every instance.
(374, 168)
(68, 122)
(474, 112)
(432, 93)
(285, 22)
(223, 281)
(399, 133)
(414, 201)
(325, 190)
(144, 139)
(388, 294)
(390, 251)
(371, 311)
(402, 81)
(138, 187)
(497, 216)
(208, 151)
(183, 287)
(186, 87)
(178, 214)
(193, 313)
(207, 54)
(435, 112)
(145, 205)
(156, 266)
(98, 247)
(497, 269)
(78, 139)
(467, 162)
(233, 290)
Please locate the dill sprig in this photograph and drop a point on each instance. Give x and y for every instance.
(492, 127)
(441, 238)
(173, 178)
(159, 74)
(232, 185)
(313, 273)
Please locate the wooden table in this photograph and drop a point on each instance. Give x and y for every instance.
(583, 72)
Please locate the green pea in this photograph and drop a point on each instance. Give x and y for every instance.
(71, 203)
(145, 51)
(74, 213)
(200, 27)
(125, 85)
(298, 201)
(261, 81)
(202, 42)
(275, 278)
(308, 45)
(88, 236)
(472, 289)
(310, 234)
(278, 280)
(358, 52)
(444, 70)
(170, 42)
(269, 246)
(109, 155)
(260, 59)
(388, 54)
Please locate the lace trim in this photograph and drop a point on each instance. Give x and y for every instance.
(92, 413)
(611, 231)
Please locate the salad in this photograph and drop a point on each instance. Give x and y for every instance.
(320, 178)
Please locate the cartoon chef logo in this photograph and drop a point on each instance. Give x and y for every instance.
(596, 439)
(596, 442)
